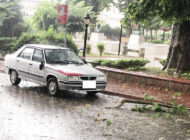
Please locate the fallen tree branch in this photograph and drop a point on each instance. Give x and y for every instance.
(144, 102)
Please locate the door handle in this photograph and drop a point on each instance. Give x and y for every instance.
(17, 61)
(30, 64)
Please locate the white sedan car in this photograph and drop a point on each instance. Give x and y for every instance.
(55, 67)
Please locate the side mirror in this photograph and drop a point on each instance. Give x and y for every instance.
(79, 51)
(81, 57)
(41, 65)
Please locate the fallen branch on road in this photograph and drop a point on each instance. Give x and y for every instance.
(144, 102)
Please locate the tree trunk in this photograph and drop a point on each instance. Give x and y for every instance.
(163, 35)
(143, 32)
(156, 33)
(179, 51)
(146, 35)
(151, 35)
(128, 31)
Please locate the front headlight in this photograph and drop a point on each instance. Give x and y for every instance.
(101, 78)
(73, 78)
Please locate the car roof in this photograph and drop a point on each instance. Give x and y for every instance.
(44, 46)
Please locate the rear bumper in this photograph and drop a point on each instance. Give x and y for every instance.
(77, 85)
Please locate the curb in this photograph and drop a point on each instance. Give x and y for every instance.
(171, 84)
(126, 96)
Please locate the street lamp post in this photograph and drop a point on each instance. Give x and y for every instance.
(120, 39)
(87, 20)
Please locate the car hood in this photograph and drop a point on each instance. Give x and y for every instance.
(75, 68)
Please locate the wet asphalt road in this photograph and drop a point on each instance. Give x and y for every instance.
(28, 113)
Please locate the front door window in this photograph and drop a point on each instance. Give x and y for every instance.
(38, 56)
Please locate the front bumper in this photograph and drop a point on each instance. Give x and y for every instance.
(77, 85)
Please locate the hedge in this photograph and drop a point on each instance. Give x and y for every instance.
(122, 63)
(163, 61)
(45, 37)
(156, 41)
(6, 43)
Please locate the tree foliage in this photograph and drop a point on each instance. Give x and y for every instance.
(168, 10)
(97, 7)
(11, 23)
(111, 33)
(77, 12)
(122, 4)
(176, 11)
(46, 15)
(44, 37)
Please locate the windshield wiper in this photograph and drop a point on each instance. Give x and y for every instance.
(60, 62)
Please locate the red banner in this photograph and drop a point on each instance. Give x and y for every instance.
(62, 14)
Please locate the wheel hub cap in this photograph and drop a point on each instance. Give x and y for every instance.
(52, 87)
(13, 76)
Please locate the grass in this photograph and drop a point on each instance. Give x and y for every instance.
(150, 70)
(104, 55)
(169, 73)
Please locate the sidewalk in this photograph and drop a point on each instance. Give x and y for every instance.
(137, 92)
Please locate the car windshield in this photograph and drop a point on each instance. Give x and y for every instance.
(62, 56)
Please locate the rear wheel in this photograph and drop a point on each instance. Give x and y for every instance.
(14, 78)
(92, 92)
(52, 87)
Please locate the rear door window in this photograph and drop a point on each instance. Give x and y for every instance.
(26, 53)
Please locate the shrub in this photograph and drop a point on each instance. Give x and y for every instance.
(43, 37)
(111, 33)
(6, 43)
(88, 48)
(167, 42)
(171, 71)
(130, 63)
(108, 63)
(101, 48)
(156, 41)
(25, 38)
(97, 62)
(163, 61)
(122, 63)
(186, 75)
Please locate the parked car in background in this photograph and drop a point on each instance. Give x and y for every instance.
(55, 67)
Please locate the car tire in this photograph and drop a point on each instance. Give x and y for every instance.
(14, 78)
(92, 92)
(52, 87)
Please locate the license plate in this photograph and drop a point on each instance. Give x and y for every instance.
(89, 84)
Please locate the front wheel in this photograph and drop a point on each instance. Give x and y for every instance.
(14, 78)
(92, 92)
(52, 87)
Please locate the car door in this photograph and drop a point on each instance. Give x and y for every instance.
(37, 59)
(23, 62)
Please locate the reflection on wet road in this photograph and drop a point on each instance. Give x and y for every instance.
(28, 113)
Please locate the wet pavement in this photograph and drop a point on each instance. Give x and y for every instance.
(27, 112)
